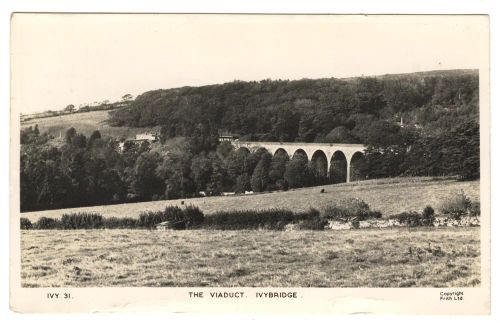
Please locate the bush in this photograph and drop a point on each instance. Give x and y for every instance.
(455, 205)
(411, 219)
(186, 218)
(149, 219)
(81, 220)
(349, 210)
(475, 209)
(249, 219)
(119, 223)
(45, 223)
(415, 219)
(26, 224)
(193, 216)
(272, 219)
(312, 224)
(428, 217)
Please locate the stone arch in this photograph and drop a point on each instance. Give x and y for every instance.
(281, 151)
(338, 168)
(300, 151)
(319, 166)
(262, 150)
(243, 149)
(357, 167)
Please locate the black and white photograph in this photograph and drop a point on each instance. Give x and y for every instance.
(251, 156)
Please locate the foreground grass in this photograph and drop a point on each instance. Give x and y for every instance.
(423, 257)
(389, 196)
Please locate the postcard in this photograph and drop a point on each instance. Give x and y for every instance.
(247, 163)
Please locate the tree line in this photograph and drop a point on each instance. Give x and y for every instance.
(93, 171)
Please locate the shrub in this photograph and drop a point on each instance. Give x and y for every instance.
(249, 219)
(310, 220)
(175, 216)
(26, 224)
(81, 220)
(272, 219)
(312, 224)
(428, 217)
(193, 216)
(455, 205)
(119, 223)
(475, 209)
(149, 219)
(373, 215)
(415, 219)
(411, 219)
(45, 223)
(349, 210)
(186, 218)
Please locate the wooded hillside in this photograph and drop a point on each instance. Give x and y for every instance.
(323, 110)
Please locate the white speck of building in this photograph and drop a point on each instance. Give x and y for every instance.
(145, 136)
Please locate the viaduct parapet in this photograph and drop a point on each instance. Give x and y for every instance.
(311, 150)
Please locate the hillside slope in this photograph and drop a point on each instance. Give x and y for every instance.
(85, 123)
(309, 109)
(388, 196)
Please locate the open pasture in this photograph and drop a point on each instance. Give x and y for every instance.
(85, 123)
(389, 196)
(420, 257)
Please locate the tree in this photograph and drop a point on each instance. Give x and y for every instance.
(370, 95)
(296, 171)
(253, 159)
(236, 163)
(260, 177)
(224, 149)
(242, 183)
(341, 135)
(93, 137)
(218, 179)
(462, 152)
(175, 170)
(127, 97)
(145, 183)
(70, 108)
(70, 134)
(383, 134)
(201, 169)
(278, 166)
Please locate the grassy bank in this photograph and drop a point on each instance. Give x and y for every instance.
(423, 257)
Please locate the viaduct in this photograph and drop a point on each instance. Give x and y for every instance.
(329, 151)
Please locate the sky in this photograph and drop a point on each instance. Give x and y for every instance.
(61, 59)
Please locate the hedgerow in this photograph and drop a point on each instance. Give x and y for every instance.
(180, 218)
(81, 220)
(272, 219)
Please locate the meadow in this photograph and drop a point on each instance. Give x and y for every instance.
(396, 257)
(85, 123)
(389, 196)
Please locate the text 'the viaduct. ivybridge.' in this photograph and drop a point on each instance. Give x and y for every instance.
(309, 149)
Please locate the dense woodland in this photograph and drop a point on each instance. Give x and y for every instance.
(439, 136)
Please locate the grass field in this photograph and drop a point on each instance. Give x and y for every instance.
(423, 257)
(389, 196)
(84, 123)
